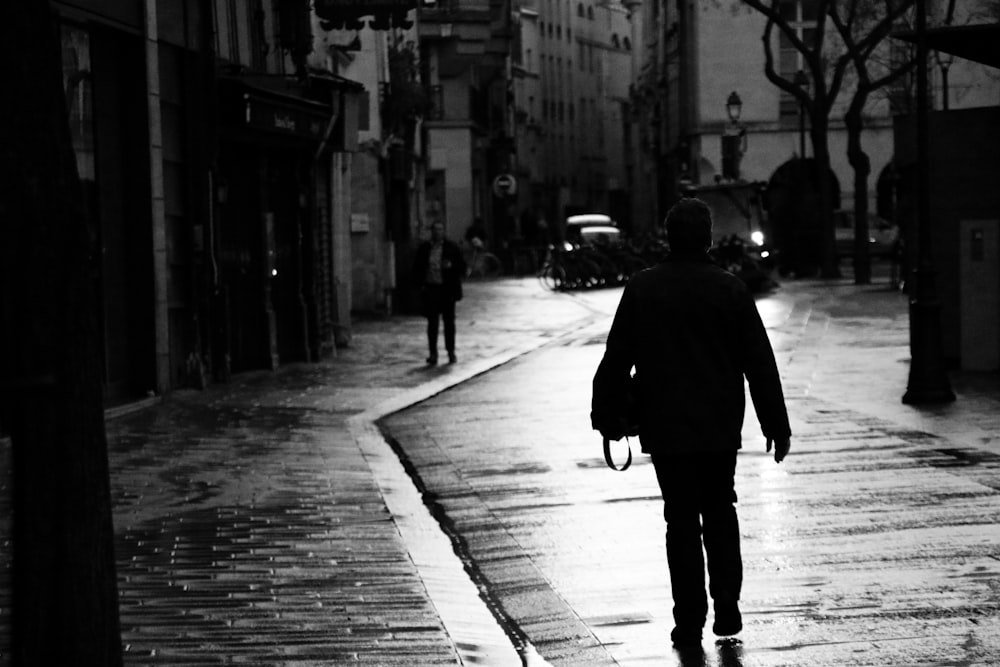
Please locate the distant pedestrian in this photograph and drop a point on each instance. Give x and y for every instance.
(692, 332)
(437, 272)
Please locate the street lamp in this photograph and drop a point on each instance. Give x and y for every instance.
(928, 381)
(734, 138)
(734, 107)
(801, 81)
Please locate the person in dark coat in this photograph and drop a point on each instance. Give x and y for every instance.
(437, 271)
(692, 332)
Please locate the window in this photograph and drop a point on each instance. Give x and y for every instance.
(627, 43)
(615, 42)
(801, 16)
(579, 10)
(590, 13)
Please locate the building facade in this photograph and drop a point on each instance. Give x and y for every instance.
(214, 146)
(572, 66)
(466, 135)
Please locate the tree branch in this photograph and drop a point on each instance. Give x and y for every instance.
(772, 75)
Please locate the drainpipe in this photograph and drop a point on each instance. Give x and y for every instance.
(157, 202)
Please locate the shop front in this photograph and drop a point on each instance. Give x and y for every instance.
(273, 226)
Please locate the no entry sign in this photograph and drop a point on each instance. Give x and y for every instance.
(505, 185)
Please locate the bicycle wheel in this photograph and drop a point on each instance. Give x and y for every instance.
(552, 276)
(590, 272)
(489, 265)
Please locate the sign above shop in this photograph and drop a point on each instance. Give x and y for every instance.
(347, 14)
(267, 115)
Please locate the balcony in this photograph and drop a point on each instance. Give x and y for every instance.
(455, 11)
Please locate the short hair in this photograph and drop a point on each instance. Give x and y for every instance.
(689, 225)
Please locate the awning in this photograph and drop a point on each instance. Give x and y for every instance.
(979, 43)
(285, 107)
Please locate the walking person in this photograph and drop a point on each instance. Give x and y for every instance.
(437, 272)
(692, 332)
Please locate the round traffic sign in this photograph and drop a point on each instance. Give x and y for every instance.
(504, 185)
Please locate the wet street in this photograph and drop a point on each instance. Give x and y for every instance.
(875, 543)
(370, 510)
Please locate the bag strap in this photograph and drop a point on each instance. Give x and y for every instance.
(607, 456)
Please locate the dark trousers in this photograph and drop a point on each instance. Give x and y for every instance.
(438, 306)
(699, 505)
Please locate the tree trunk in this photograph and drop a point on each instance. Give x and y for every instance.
(862, 168)
(65, 600)
(827, 235)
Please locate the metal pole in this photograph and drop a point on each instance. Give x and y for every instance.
(802, 131)
(928, 381)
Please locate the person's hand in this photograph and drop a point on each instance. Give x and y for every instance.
(781, 447)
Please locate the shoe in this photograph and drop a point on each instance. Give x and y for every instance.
(728, 621)
(685, 637)
(452, 358)
(432, 361)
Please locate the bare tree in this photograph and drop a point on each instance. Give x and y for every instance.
(831, 56)
(65, 601)
(863, 25)
(817, 101)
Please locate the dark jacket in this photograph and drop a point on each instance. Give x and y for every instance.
(451, 276)
(692, 332)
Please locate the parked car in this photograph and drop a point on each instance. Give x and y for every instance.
(882, 235)
(591, 229)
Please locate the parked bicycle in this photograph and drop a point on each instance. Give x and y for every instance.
(480, 262)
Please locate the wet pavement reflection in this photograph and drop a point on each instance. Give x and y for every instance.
(725, 653)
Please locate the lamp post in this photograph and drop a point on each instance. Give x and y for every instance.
(734, 138)
(802, 82)
(928, 381)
